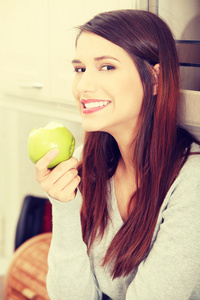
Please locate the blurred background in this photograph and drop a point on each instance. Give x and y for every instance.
(36, 48)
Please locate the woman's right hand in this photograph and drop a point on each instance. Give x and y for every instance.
(61, 182)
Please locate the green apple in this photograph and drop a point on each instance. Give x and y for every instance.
(53, 136)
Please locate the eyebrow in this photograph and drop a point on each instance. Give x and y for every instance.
(77, 61)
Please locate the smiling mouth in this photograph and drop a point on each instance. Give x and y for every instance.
(90, 106)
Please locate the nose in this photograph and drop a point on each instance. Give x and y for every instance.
(87, 83)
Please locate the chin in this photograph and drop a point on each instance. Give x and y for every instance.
(90, 128)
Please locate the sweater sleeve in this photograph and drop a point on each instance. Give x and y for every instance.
(172, 268)
(69, 275)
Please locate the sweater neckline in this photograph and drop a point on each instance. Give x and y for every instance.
(114, 203)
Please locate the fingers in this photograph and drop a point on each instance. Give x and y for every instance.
(66, 178)
(62, 168)
(61, 182)
(64, 189)
(58, 180)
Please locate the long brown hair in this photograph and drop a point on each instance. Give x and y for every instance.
(159, 150)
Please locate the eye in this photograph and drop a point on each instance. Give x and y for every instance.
(79, 70)
(107, 68)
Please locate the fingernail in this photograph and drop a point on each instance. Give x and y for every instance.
(54, 152)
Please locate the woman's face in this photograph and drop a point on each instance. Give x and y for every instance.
(107, 86)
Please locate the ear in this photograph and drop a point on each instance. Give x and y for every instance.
(155, 73)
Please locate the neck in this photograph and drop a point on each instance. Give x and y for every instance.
(125, 138)
(126, 147)
(124, 179)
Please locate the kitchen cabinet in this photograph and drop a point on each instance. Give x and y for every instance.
(24, 48)
(37, 45)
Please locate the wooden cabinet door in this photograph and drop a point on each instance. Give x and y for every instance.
(24, 48)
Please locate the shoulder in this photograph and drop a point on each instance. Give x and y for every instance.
(176, 239)
(182, 199)
(187, 184)
(191, 168)
(189, 175)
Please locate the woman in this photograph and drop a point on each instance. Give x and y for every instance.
(132, 230)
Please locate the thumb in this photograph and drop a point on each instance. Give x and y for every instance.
(42, 165)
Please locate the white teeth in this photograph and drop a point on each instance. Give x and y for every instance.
(96, 104)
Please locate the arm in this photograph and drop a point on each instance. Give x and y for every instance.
(172, 268)
(69, 275)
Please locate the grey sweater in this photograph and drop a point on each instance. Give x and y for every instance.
(171, 270)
